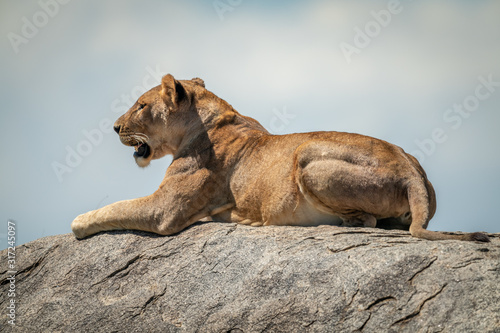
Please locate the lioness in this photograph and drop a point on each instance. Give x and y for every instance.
(228, 167)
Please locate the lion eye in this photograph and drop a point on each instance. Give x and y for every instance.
(141, 106)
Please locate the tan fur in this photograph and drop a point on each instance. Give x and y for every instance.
(227, 167)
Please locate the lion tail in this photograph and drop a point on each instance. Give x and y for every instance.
(422, 200)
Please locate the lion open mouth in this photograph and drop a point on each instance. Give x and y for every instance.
(142, 150)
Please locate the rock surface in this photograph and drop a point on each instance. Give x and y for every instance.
(216, 277)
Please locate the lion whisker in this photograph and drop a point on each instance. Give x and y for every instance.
(140, 137)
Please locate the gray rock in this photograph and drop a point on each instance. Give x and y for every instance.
(216, 277)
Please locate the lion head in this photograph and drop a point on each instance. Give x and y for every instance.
(157, 123)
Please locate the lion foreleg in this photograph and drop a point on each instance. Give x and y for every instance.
(137, 214)
(181, 200)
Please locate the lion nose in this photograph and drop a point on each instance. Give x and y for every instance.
(117, 129)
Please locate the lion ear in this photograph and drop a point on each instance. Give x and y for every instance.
(172, 90)
(198, 81)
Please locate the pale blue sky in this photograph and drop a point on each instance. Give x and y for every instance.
(74, 73)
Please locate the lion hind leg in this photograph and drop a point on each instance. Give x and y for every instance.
(359, 219)
(251, 223)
